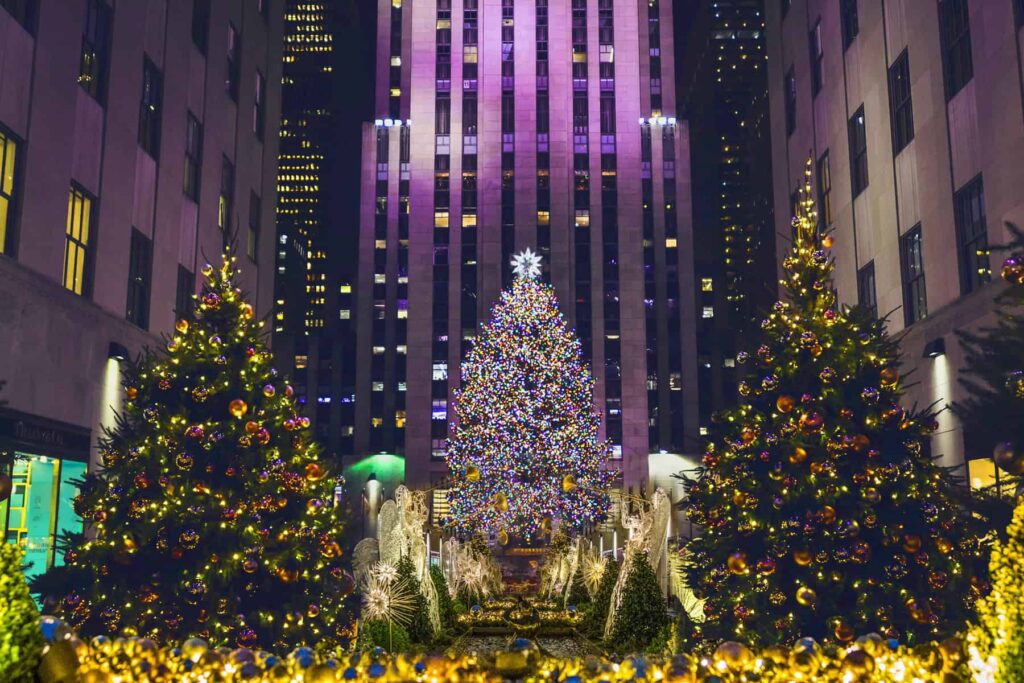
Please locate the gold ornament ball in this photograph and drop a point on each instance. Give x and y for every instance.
(802, 557)
(181, 326)
(858, 663)
(247, 311)
(827, 241)
(785, 404)
(736, 656)
(889, 375)
(568, 483)
(806, 596)
(798, 455)
(501, 502)
(843, 631)
(737, 563)
(207, 270)
(238, 408)
(314, 471)
(503, 537)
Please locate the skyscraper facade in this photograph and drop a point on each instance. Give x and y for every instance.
(913, 115)
(506, 124)
(724, 90)
(136, 140)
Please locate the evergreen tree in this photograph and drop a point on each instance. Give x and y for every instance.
(993, 374)
(525, 448)
(419, 628)
(602, 600)
(445, 605)
(642, 616)
(21, 641)
(212, 515)
(823, 513)
(577, 594)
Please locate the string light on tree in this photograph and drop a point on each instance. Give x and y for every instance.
(524, 449)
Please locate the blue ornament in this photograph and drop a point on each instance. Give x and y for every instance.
(249, 670)
(376, 670)
(893, 643)
(806, 645)
(350, 673)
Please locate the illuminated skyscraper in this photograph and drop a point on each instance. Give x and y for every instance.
(506, 124)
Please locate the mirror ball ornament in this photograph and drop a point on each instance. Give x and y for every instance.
(806, 596)
(181, 326)
(1013, 270)
(238, 408)
(737, 563)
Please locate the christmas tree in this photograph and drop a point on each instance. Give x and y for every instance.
(993, 377)
(212, 515)
(525, 451)
(823, 513)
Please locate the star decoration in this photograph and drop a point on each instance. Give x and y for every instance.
(526, 264)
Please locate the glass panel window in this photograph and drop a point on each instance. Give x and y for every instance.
(858, 152)
(226, 200)
(866, 296)
(790, 88)
(817, 57)
(150, 108)
(92, 70)
(915, 301)
(234, 58)
(193, 156)
(140, 269)
(186, 287)
(824, 190)
(849, 20)
(253, 236)
(78, 245)
(972, 235)
(8, 177)
(900, 103)
(258, 106)
(200, 24)
(958, 65)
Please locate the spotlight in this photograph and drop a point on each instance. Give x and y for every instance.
(117, 352)
(935, 348)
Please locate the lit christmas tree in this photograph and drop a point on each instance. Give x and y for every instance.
(823, 513)
(525, 452)
(993, 374)
(212, 515)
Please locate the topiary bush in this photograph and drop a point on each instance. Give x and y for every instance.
(377, 633)
(445, 606)
(419, 628)
(599, 614)
(578, 594)
(21, 641)
(642, 614)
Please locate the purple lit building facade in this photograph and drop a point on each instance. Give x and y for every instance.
(506, 124)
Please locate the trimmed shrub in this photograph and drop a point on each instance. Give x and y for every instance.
(376, 633)
(21, 641)
(642, 614)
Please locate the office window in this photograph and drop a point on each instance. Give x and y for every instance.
(150, 108)
(140, 269)
(263, 7)
(858, 152)
(234, 62)
(201, 24)
(790, 87)
(77, 246)
(193, 156)
(186, 287)
(824, 190)
(955, 32)
(900, 103)
(915, 300)
(23, 11)
(258, 106)
(817, 57)
(849, 21)
(226, 200)
(971, 235)
(866, 296)
(92, 69)
(8, 184)
(1018, 12)
(252, 239)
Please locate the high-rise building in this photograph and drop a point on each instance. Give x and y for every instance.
(318, 210)
(724, 90)
(913, 115)
(136, 139)
(506, 124)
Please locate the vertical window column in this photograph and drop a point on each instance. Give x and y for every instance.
(581, 175)
(650, 288)
(508, 139)
(469, 242)
(543, 142)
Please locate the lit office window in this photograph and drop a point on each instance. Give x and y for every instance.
(77, 248)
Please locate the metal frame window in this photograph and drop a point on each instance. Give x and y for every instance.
(258, 105)
(955, 32)
(253, 236)
(858, 152)
(226, 200)
(824, 177)
(23, 11)
(193, 156)
(971, 235)
(150, 107)
(94, 63)
(78, 242)
(8, 187)
(867, 297)
(849, 21)
(901, 106)
(915, 298)
(186, 287)
(201, 24)
(790, 91)
(817, 59)
(140, 272)
(234, 58)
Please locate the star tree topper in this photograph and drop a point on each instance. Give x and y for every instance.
(526, 264)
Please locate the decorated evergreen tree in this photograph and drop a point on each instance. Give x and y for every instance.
(577, 594)
(602, 600)
(419, 628)
(822, 511)
(21, 641)
(642, 615)
(993, 374)
(212, 514)
(525, 450)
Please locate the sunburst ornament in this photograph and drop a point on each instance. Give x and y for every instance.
(526, 264)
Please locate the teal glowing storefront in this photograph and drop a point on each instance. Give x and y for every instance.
(48, 457)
